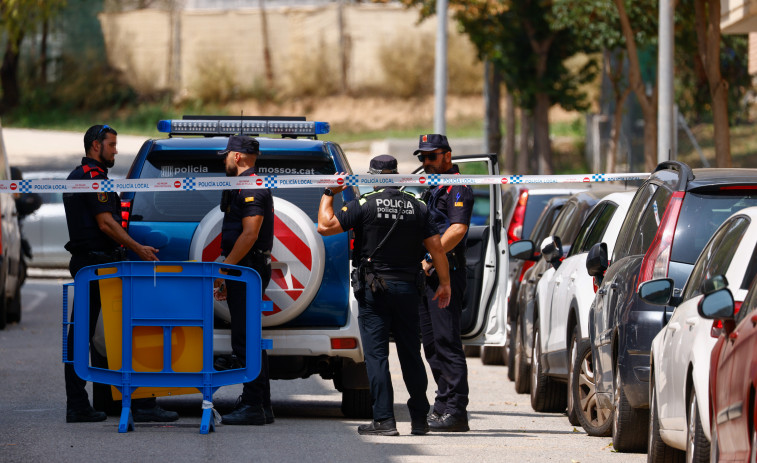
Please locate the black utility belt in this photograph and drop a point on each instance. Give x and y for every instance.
(114, 255)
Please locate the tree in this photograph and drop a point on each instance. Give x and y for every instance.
(17, 19)
(519, 38)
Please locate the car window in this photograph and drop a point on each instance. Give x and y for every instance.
(545, 223)
(631, 223)
(598, 230)
(192, 206)
(751, 271)
(650, 222)
(701, 214)
(750, 303)
(586, 227)
(563, 220)
(534, 208)
(716, 256)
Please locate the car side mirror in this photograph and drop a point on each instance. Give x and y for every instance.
(551, 249)
(596, 261)
(657, 292)
(710, 285)
(717, 305)
(522, 249)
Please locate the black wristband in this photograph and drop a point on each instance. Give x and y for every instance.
(328, 192)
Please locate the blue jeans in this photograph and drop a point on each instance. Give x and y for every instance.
(393, 312)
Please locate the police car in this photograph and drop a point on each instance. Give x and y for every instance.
(314, 323)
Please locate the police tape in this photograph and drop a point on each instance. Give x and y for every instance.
(297, 181)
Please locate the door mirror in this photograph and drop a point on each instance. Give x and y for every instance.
(657, 292)
(596, 261)
(523, 250)
(717, 305)
(551, 249)
(713, 284)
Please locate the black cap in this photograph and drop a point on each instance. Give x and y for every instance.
(381, 163)
(241, 144)
(431, 142)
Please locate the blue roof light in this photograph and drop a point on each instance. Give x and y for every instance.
(247, 127)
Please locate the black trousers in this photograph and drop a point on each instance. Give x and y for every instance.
(257, 391)
(76, 394)
(440, 329)
(393, 312)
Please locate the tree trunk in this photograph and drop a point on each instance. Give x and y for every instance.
(43, 52)
(266, 45)
(542, 143)
(492, 130)
(708, 46)
(9, 75)
(648, 103)
(523, 154)
(509, 133)
(620, 94)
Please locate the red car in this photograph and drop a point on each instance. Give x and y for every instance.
(733, 374)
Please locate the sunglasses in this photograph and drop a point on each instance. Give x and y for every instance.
(102, 129)
(430, 156)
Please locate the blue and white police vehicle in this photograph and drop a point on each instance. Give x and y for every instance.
(314, 324)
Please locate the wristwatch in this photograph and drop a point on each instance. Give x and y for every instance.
(428, 258)
(328, 192)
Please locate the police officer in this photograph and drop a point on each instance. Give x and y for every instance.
(96, 237)
(391, 227)
(246, 239)
(451, 207)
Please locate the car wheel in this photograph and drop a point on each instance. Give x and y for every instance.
(547, 395)
(629, 426)
(13, 310)
(472, 351)
(657, 450)
(595, 420)
(511, 353)
(697, 445)
(493, 355)
(572, 410)
(356, 403)
(522, 376)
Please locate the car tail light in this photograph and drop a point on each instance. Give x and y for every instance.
(717, 325)
(515, 229)
(343, 343)
(657, 258)
(594, 283)
(125, 213)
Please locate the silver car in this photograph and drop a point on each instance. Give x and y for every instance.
(46, 228)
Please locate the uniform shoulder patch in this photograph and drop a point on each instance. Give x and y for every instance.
(249, 199)
(344, 208)
(458, 204)
(102, 197)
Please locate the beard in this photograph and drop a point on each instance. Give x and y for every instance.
(109, 163)
(231, 171)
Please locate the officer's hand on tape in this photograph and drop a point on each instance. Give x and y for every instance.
(443, 295)
(340, 188)
(219, 289)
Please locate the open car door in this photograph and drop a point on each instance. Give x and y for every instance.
(484, 316)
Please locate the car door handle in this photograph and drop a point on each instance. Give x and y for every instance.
(733, 335)
(673, 326)
(692, 321)
(490, 266)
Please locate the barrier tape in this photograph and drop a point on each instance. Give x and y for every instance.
(296, 181)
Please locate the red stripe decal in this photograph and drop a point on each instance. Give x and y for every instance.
(212, 250)
(292, 242)
(276, 309)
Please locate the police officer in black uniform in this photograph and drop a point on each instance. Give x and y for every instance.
(246, 240)
(391, 229)
(96, 237)
(451, 208)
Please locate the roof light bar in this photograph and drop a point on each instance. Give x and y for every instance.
(231, 127)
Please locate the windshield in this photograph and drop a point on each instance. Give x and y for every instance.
(192, 206)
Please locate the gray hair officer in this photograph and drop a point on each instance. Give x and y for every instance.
(391, 229)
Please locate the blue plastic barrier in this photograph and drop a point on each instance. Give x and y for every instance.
(166, 295)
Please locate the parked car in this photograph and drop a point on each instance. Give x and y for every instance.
(566, 228)
(314, 324)
(517, 368)
(680, 356)
(565, 301)
(46, 229)
(733, 372)
(672, 216)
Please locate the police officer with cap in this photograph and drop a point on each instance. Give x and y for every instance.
(96, 237)
(391, 229)
(246, 240)
(451, 208)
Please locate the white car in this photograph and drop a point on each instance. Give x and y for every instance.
(679, 417)
(564, 297)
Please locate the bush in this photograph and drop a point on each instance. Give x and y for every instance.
(312, 73)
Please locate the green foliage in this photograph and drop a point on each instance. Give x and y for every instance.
(18, 17)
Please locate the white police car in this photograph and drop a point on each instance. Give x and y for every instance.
(314, 323)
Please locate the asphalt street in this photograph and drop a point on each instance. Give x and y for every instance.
(309, 425)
